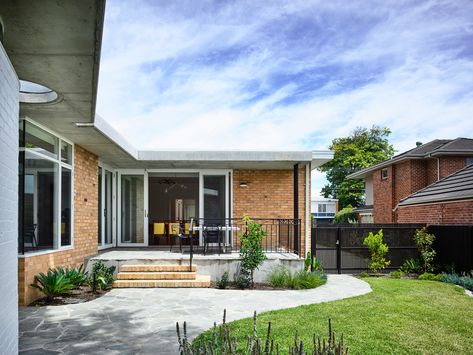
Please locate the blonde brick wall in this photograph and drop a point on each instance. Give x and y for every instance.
(270, 194)
(85, 228)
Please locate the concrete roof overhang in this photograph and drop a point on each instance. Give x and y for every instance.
(57, 44)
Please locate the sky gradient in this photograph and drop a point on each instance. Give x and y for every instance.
(285, 74)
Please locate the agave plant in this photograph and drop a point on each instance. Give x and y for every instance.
(76, 275)
(222, 342)
(52, 284)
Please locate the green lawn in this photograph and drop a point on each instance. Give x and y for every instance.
(398, 317)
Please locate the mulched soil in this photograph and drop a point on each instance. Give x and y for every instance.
(80, 295)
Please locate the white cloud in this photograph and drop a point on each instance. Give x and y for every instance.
(285, 75)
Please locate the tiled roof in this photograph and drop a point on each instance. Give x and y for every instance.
(457, 186)
(437, 147)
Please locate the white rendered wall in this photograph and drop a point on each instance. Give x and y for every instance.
(9, 107)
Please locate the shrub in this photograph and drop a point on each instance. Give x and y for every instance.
(378, 250)
(424, 242)
(281, 277)
(411, 266)
(465, 281)
(223, 282)
(76, 275)
(221, 341)
(364, 274)
(305, 280)
(251, 251)
(396, 274)
(52, 284)
(345, 215)
(431, 277)
(101, 277)
(243, 280)
(312, 263)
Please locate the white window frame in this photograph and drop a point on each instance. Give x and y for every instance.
(228, 173)
(145, 207)
(58, 187)
(102, 245)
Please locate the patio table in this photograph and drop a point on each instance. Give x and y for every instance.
(220, 228)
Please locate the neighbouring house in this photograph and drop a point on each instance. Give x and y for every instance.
(389, 182)
(324, 210)
(76, 186)
(447, 201)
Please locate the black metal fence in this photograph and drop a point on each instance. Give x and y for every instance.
(340, 247)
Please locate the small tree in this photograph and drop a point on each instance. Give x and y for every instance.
(378, 250)
(345, 215)
(251, 252)
(424, 242)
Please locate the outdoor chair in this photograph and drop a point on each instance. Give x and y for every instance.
(159, 230)
(212, 234)
(186, 233)
(30, 235)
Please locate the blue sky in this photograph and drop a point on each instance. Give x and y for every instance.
(285, 74)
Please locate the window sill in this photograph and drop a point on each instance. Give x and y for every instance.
(106, 246)
(43, 252)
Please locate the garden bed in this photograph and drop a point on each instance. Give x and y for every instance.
(79, 295)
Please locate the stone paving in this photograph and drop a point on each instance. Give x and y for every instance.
(143, 321)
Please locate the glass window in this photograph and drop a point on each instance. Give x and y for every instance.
(108, 207)
(45, 190)
(214, 199)
(99, 184)
(132, 209)
(384, 174)
(39, 203)
(66, 185)
(322, 207)
(66, 152)
(41, 141)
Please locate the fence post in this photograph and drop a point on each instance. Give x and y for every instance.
(339, 251)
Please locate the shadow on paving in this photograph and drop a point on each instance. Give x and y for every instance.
(82, 330)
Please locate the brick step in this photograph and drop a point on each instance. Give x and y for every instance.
(156, 268)
(156, 275)
(201, 281)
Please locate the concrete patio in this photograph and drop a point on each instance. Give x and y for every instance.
(142, 321)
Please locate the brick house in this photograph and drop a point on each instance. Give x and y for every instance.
(391, 181)
(81, 187)
(447, 201)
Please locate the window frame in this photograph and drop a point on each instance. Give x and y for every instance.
(59, 165)
(384, 174)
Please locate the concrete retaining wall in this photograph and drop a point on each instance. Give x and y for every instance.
(211, 265)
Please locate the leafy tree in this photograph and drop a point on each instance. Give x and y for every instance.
(251, 251)
(363, 148)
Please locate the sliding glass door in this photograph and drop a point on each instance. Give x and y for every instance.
(105, 195)
(133, 206)
(215, 192)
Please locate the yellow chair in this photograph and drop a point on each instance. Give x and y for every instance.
(174, 228)
(159, 229)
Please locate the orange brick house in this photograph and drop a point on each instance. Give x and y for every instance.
(83, 188)
(447, 201)
(390, 182)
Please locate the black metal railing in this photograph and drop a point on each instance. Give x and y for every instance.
(223, 235)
